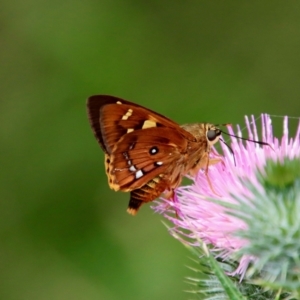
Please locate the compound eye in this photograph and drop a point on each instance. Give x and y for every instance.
(212, 134)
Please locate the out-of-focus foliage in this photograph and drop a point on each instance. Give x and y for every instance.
(63, 233)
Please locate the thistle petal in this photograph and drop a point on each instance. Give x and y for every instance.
(236, 224)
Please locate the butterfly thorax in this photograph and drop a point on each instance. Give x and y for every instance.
(198, 130)
(198, 151)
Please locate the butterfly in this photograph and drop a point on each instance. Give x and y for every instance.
(146, 153)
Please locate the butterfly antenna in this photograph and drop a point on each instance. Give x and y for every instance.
(230, 149)
(253, 141)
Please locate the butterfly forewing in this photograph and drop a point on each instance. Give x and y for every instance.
(111, 118)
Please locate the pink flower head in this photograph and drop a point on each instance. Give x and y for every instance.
(198, 215)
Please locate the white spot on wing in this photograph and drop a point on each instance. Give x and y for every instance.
(125, 154)
(130, 130)
(139, 174)
(159, 163)
(153, 150)
(132, 169)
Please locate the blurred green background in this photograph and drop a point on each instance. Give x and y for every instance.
(63, 233)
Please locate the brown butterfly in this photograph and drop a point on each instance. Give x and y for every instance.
(145, 152)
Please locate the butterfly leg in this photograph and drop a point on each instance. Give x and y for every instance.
(171, 196)
(211, 161)
(216, 160)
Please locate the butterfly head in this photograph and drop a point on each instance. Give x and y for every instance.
(212, 134)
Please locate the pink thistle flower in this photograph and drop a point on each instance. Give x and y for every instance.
(199, 212)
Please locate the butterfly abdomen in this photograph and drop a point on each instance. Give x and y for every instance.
(150, 191)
